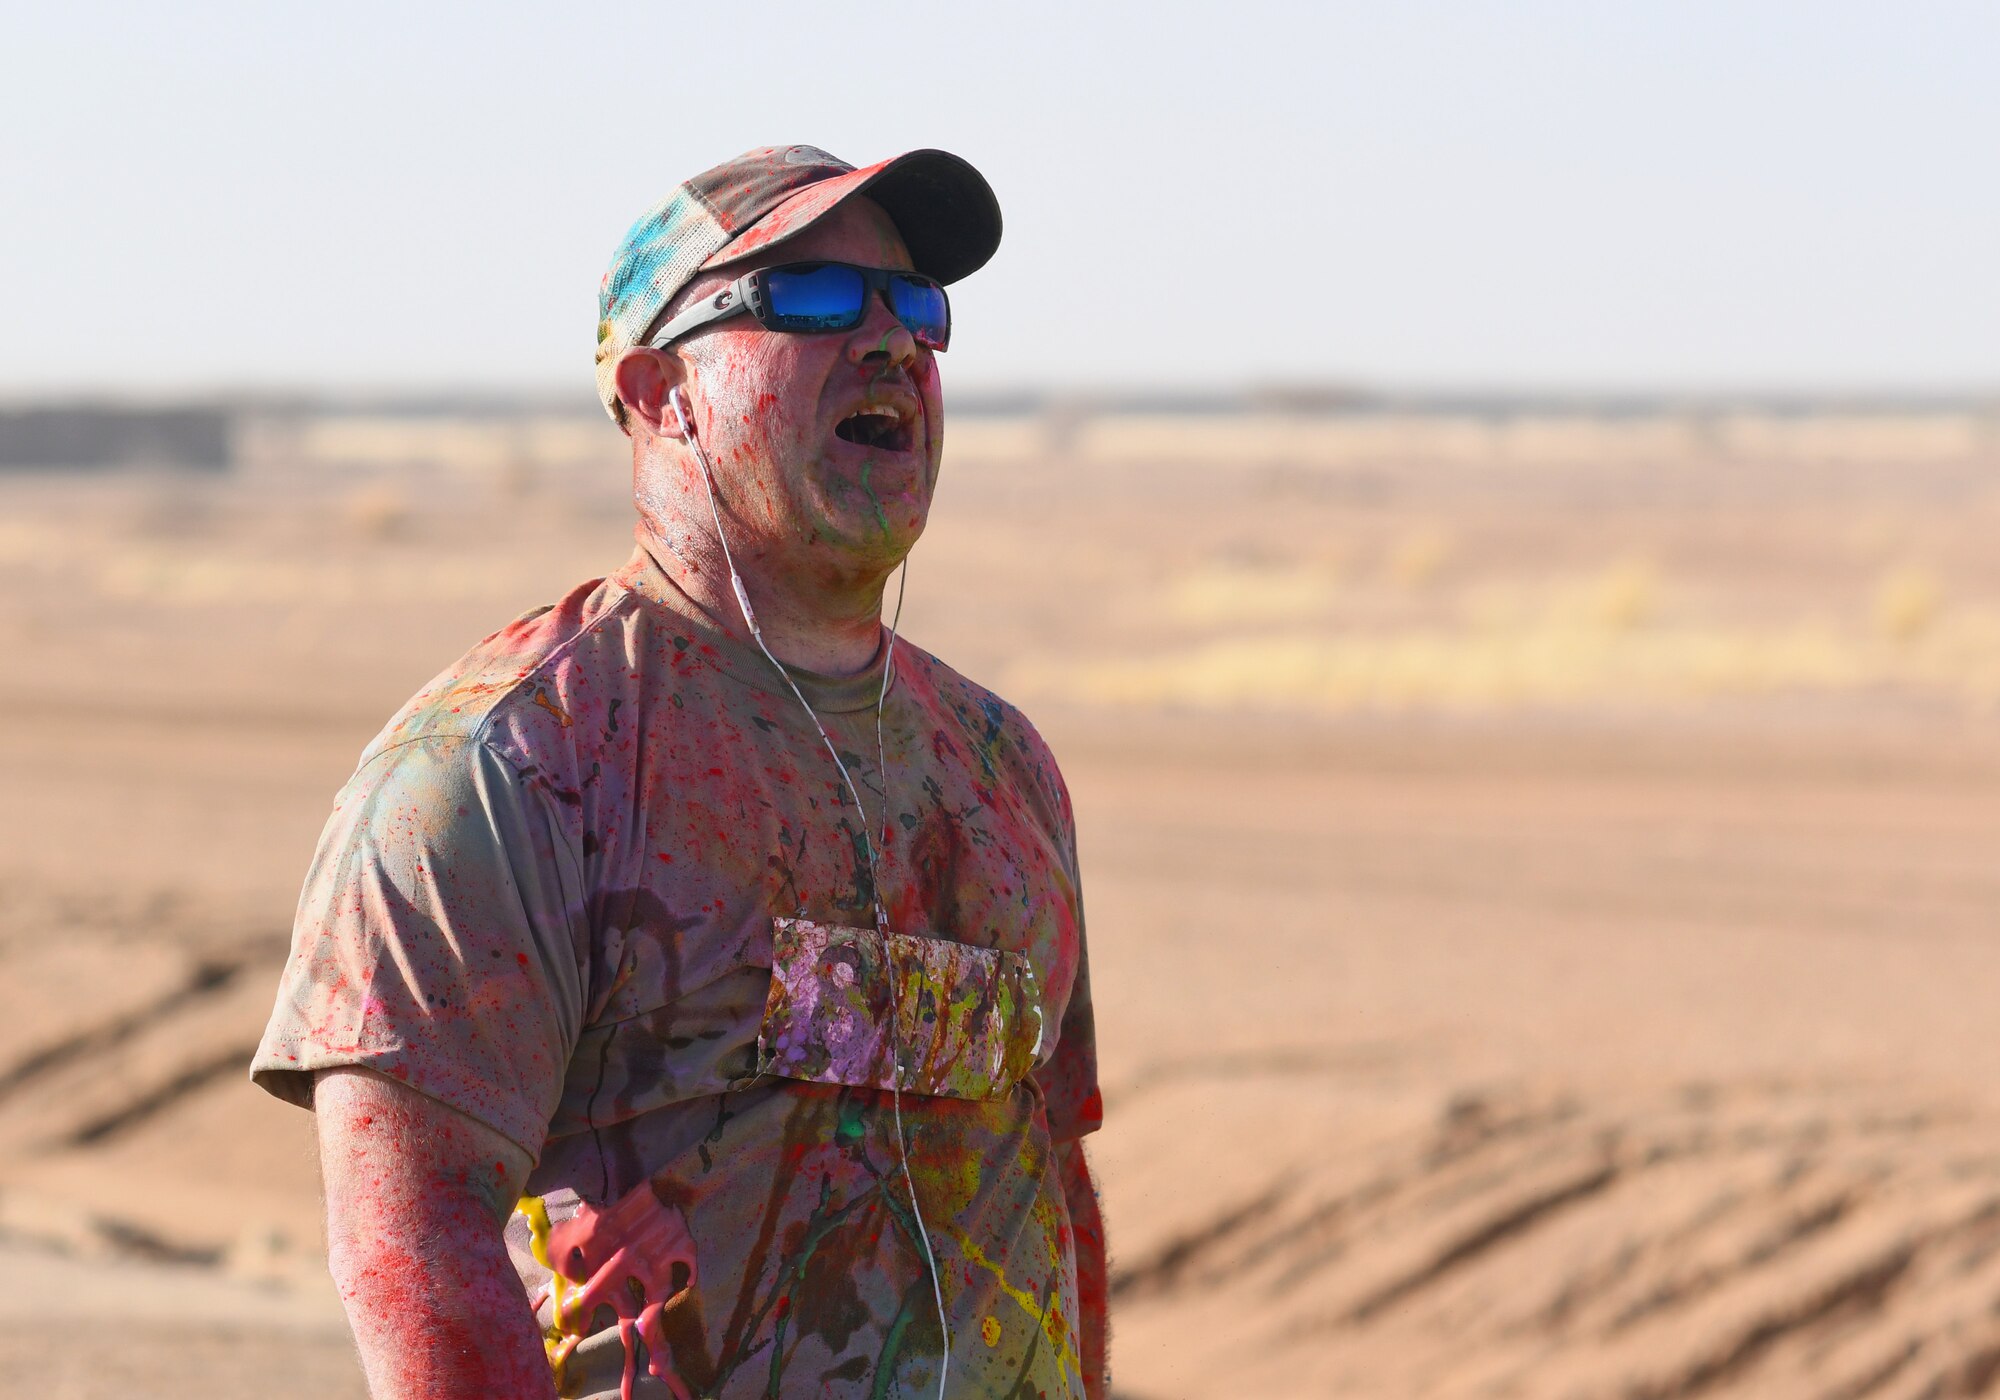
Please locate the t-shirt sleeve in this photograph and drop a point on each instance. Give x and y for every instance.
(434, 941)
(1068, 1079)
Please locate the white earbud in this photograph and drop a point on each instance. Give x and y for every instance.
(678, 401)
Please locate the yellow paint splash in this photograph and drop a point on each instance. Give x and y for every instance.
(555, 1344)
(1052, 1322)
(542, 699)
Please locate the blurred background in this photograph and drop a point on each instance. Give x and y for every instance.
(1492, 505)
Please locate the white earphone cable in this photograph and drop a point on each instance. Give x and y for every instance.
(679, 402)
(896, 1084)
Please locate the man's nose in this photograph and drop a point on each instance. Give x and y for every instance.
(881, 340)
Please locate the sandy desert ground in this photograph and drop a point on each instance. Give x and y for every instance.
(1541, 880)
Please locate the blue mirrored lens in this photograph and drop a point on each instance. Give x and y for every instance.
(815, 297)
(921, 306)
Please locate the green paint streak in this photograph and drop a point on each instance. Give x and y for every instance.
(818, 1226)
(825, 1219)
(867, 469)
(892, 1342)
(1020, 1389)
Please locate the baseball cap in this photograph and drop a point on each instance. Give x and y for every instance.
(943, 208)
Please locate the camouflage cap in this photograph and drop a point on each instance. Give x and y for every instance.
(944, 209)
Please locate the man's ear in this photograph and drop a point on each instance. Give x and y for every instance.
(644, 378)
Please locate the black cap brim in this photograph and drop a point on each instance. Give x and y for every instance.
(948, 215)
(943, 207)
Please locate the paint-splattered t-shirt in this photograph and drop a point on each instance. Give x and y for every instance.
(600, 886)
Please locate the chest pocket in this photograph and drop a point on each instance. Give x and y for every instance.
(847, 1003)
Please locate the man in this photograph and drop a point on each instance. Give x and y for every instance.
(690, 983)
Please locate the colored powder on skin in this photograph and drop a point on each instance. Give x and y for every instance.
(867, 469)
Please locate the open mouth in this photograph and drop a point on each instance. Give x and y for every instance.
(878, 426)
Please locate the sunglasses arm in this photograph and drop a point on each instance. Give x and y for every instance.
(720, 306)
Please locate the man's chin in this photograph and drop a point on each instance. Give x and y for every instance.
(880, 505)
(878, 470)
(880, 542)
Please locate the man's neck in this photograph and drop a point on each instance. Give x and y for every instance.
(834, 632)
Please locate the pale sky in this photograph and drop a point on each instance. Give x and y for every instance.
(1707, 194)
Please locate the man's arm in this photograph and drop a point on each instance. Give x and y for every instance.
(1086, 1223)
(417, 1195)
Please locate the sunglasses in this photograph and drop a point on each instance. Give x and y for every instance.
(808, 297)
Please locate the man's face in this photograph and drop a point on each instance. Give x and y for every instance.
(826, 446)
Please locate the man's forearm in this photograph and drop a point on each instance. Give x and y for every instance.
(444, 1320)
(1086, 1221)
(414, 1209)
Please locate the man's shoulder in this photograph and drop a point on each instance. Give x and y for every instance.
(533, 669)
(985, 729)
